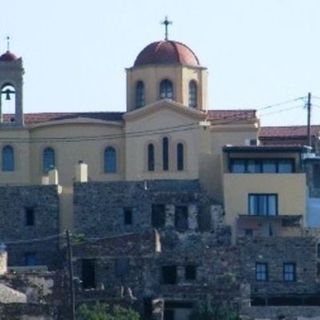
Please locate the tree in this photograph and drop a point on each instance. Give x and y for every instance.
(102, 311)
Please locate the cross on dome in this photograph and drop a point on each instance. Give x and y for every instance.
(166, 23)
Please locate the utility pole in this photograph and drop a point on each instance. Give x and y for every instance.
(71, 282)
(309, 119)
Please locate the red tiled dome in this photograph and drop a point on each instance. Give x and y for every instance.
(8, 57)
(167, 52)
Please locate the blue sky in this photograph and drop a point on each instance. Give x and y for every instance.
(258, 52)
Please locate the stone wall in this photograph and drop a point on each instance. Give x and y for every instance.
(99, 207)
(214, 259)
(30, 212)
(276, 251)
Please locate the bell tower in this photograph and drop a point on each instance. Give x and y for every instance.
(11, 89)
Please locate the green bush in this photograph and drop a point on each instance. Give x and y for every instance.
(214, 311)
(102, 311)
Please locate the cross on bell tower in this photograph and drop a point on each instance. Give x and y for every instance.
(166, 24)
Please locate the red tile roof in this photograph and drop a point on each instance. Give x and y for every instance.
(34, 118)
(232, 115)
(287, 132)
(167, 52)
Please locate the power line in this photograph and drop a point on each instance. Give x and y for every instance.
(280, 111)
(9, 242)
(281, 103)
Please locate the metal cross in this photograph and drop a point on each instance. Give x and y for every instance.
(166, 23)
(8, 43)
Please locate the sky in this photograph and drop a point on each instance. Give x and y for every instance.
(259, 53)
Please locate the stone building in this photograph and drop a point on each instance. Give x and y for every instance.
(174, 200)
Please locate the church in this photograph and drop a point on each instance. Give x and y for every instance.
(167, 164)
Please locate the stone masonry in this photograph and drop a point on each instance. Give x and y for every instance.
(30, 212)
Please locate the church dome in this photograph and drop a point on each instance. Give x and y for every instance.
(8, 57)
(166, 52)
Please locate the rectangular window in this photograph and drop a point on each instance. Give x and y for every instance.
(121, 267)
(158, 215)
(316, 175)
(262, 165)
(128, 216)
(30, 259)
(238, 166)
(289, 272)
(285, 166)
(263, 204)
(29, 216)
(181, 218)
(261, 271)
(88, 273)
(190, 272)
(169, 274)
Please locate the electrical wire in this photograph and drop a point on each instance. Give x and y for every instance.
(227, 119)
(55, 236)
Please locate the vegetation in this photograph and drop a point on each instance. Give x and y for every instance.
(214, 311)
(102, 311)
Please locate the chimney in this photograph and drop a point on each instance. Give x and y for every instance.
(45, 180)
(81, 172)
(53, 176)
(3, 259)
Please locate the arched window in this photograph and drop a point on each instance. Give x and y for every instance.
(7, 158)
(166, 89)
(139, 94)
(150, 157)
(165, 154)
(48, 159)
(110, 160)
(193, 94)
(180, 157)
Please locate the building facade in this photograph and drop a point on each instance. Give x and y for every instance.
(174, 202)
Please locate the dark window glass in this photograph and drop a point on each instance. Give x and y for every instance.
(158, 215)
(7, 158)
(30, 259)
(191, 272)
(110, 160)
(180, 157)
(165, 153)
(316, 175)
(151, 157)
(262, 166)
(169, 274)
(181, 218)
(88, 273)
(269, 166)
(261, 271)
(48, 159)
(166, 89)
(285, 166)
(289, 272)
(263, 204)
(128, 216)
(139, 94)
(238, 166)
(29, 216)
(193, 94)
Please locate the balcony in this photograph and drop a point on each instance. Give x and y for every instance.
(269, 226)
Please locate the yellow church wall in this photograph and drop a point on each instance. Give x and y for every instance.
(17, 138)
(136, 146)
(71, 149)
(199, 75)
(153, 75)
